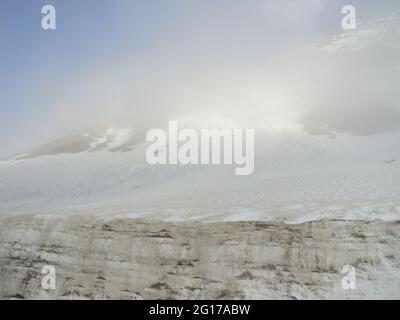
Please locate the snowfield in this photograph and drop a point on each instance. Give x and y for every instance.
(295, 180)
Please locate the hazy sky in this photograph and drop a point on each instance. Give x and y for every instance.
(216, 63)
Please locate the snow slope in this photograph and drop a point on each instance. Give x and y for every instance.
(296, 179)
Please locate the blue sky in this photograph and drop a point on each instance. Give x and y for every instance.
(99, 40)
(86, 30)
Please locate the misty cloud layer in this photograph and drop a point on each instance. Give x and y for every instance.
(231, 72)
(358, 86)
(272, 65)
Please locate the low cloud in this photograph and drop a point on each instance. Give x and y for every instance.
(257, 65)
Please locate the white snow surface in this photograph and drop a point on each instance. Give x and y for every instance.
(114, 138)
(378, 32)
(296, 179)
